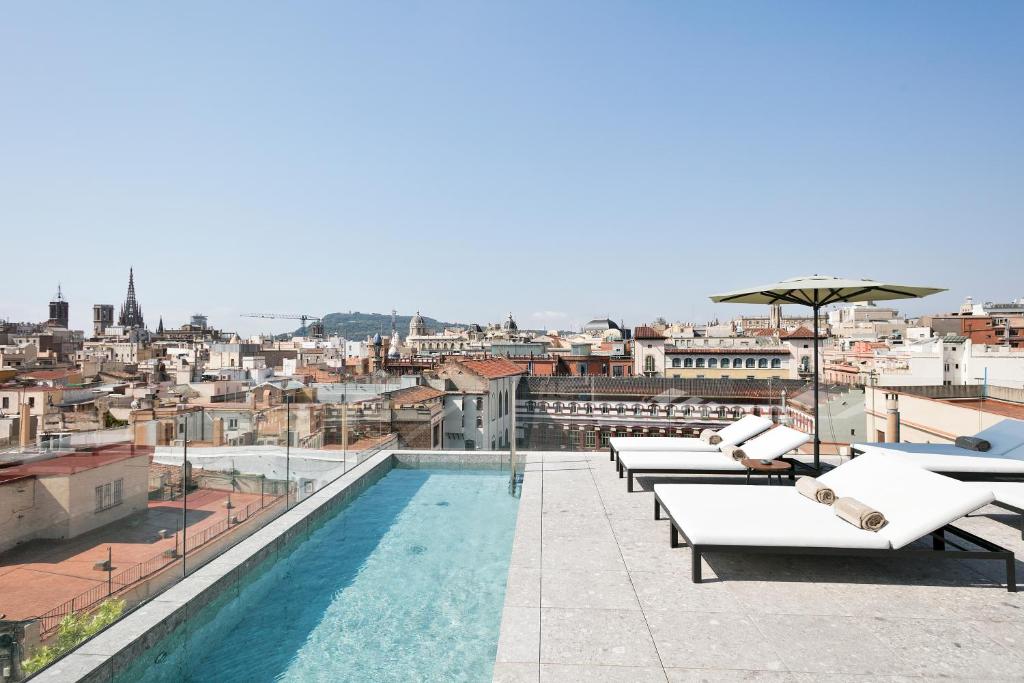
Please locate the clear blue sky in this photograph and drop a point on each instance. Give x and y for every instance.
(558, 160)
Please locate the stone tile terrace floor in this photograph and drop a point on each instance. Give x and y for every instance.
(595, 593)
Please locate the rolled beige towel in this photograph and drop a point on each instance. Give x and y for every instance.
(815, 490)
(858, 514)
(710, 436)
(734, 452)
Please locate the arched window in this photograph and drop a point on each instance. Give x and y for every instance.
(669, 410)
(653, 408)
(620, 409)
(636, 409)
(687, 411)
(544, 406)
(507, 408)
(529, 406)
(700, 362)
(588, 408)
(704, 411)
(712, 362)
(479, 402)
(762, 362)
(675, 362)
(604, 408)
(725, 363)
(721, 411)
(757, 411)
(649, 364)
(737, 412)
(688, 363)
(750, 362)
(776, 363)
(737, 362)
(572, 408)
(557, 407)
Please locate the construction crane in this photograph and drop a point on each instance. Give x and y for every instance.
(315, 330)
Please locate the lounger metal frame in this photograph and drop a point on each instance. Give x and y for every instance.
(966, 476)
(628, 474)
(940, 540)
(1013, 508)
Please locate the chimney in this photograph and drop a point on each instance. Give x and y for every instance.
(25, 425)
(892, 418)
(218, 431)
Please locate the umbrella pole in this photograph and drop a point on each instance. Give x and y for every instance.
(817, 443)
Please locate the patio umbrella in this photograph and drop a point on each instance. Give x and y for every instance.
(817, 291)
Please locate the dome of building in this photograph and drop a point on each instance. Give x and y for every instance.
(599, 325)
(377, 340)
(510, 324)
(417, 326)
(393, 352)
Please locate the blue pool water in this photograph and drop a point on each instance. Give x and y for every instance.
(406, 583)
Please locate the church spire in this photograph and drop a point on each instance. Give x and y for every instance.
(131, 313)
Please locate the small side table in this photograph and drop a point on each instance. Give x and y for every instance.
(775, 467)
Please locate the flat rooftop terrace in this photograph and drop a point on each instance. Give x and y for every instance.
(595, 593)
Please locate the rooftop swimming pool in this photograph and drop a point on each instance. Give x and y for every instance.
(405, 583)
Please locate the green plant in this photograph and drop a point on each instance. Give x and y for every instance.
(109, 421)
(72, 630)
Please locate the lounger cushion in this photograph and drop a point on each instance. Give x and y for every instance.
(914, 501)
(1004, 437)
(661, 443)
(743, 429)
(774, 443)
(1008, 492)
(683, 460)
(720, 514)
(937, 457)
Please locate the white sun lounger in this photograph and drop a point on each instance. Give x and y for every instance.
(779, 520)
(1009, 495)
(1004, 460)
(747, 427)
(770, 445)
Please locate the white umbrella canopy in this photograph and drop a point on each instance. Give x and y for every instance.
(822, 290)
(817, 291)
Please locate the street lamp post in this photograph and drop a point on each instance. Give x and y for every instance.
(288, 452)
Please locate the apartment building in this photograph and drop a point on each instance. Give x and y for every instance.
(65, 496)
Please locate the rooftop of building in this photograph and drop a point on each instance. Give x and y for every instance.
(73, 463)
(412, 395)
(491, 368)
(596, 593)
(646, 332)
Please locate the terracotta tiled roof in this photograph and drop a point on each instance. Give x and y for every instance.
(647, 333)
(77, 462)
(800, 333)
(48, 374)
(411, 395)
(492, 368)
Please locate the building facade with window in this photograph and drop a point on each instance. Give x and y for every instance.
(579, 413)
(69, 495)
(728, 363)
(480, 398)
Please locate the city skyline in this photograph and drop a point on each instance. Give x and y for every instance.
(325, 159)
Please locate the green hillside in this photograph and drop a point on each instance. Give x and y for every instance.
(355, 325)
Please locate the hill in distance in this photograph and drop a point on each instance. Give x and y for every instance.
(355, 325)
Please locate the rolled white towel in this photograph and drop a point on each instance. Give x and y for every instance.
(734, 452)
(858, 514)
(815, 490)
(710, 436)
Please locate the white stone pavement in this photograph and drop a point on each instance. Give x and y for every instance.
(595, 593)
